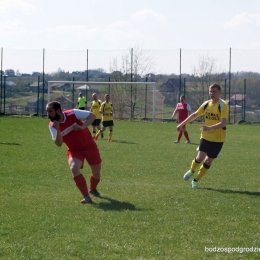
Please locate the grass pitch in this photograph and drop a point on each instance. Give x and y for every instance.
(147, 211)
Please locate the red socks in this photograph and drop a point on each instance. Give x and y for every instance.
(93, 182)
(186, 135)
(81, 184)
(179, 135)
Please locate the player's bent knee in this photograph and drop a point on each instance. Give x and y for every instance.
(208, 161)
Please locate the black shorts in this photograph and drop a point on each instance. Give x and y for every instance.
(82, 108)
(108, 123)
(212, 149)
(96, 122)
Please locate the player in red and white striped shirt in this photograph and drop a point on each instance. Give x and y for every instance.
(183, 109)
(67, 127)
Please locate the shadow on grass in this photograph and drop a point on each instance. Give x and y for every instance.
(9, 143)
(191, 143)
(122, 142)
(112, 204)
(251, 193)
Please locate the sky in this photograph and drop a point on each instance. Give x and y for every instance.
(64, 31)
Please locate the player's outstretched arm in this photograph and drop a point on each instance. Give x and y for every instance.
(221, 124)
(174, 113)
(89, 120)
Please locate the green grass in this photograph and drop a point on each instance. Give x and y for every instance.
(147, 210)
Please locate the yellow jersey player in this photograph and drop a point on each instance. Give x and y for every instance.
(213, 133)
(107, 111)
(95, 107)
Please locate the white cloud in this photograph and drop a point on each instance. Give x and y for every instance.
(20, 5)
(243, 19)
(120, 25)
(14, 27)
(148, 14)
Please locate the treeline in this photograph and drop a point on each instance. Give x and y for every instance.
(240, 81)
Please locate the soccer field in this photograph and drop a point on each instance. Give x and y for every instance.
(147, 210)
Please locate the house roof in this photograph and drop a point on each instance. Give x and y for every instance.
(84, 87)
(239, 97)
(60, 85)
(35, 84)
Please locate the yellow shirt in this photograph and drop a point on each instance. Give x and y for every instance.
(213, 115)
(106, 108)
(95, 108)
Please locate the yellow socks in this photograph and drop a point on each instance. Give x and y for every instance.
(194, 165)
(203, 170)
(110, 134)
(99, 132)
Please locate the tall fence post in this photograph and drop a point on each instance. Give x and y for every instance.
(38, 96)
(180, 80)
(109, 86)
(5, 76)
(43, 60)
(244, 105)
(225, 91)
(235, 109)
(184, 87)
(131, 84)
(87, 80)
(145, 102)
(229, 84)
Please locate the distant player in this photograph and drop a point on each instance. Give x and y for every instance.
(95, 107)
(82, 102)
(183, 109)
(213, 133)
(107, 111)
(67, 127)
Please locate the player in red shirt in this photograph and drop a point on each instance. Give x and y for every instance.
(67, 127)
(183, 109)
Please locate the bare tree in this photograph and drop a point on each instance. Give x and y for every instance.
(205, 74)
(136, 63)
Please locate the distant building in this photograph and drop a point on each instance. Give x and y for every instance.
(34, 87)
(91, 90)
(61, 86)
(10, 73)
(237, 100)
(79, 73)
(35, 73)
(171, 85)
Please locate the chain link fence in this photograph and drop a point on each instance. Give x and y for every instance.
(25, 75)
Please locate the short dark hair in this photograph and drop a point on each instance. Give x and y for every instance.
(55, 105)
(215, 86)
